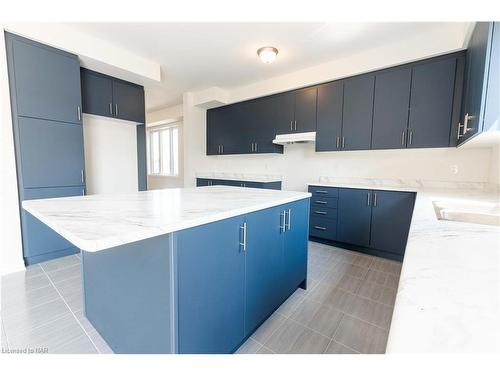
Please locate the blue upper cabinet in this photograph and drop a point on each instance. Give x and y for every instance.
(329, 116)
(47, 81)
(283, 112)
(128, 100)
(51, 153)
(305, 110)
(211, 287)
(111, 97)
(97, 93)
(480, 106)
(390, 109)
(357, 113)
(431, 103)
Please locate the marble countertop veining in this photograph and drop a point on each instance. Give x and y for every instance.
(448, 299)
(97, 222)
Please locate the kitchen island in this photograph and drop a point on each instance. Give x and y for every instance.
(192, 270)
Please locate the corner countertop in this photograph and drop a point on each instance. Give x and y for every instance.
(448, 299)
(240, 177)
(98, 222)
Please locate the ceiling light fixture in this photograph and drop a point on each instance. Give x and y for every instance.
(267, 54)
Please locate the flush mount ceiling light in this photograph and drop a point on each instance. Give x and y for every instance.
(267, 54)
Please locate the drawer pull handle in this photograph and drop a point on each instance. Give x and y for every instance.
(321, 202)
(321, 192)
(320, 228)
(320, 212)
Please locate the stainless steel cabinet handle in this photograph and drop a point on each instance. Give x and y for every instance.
(256, 146)
(116, 109)
(295, 125)
(318, 227)
(111, 108)
(338, 142)
(83, 192)
(282, 222)
(82, 176)
(320, 212)
(321, 192)
(222, 148)
(291, 124)
(320, 202)
(410, 136)
(368, 199)
(79, 113)
(244, 243)
(374, 199)
(343, 142)
(287, 224)
(403, 138)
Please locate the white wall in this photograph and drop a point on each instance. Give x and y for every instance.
(110, 155)
(162, 116)
(300, 164)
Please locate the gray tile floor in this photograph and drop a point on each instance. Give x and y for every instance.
(347, 308)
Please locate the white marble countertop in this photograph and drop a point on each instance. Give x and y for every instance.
(97, 222)
(448, 299)
(240, 176)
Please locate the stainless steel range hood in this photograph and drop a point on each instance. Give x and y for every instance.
(286, 139)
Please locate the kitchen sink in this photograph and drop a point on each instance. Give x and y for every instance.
(468, 211)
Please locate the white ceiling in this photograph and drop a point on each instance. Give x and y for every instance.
(195, 56)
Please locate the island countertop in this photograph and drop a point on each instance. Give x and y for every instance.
(98, 222)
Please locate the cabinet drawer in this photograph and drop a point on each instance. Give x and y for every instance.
(320, 202)
(324, 212)
(323, 228)
(319, 191)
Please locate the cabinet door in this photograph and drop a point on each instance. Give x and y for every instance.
(283, 114)
(476, 65)
(431, 104)
(51, 153)
(358, 113)
(390, 110)
(264, 265)
(262, 128)
(354, 216)
(295, 246)
(211, 287)
(305, 110)
(38, 238)
(128, 101)
(47, 82)
(391, 218)
(97, 93)
(329, 121)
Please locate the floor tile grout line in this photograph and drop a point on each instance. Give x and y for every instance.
(272, 333)
(78, 321)
(31, 307)
(57, 269)
(334, 333)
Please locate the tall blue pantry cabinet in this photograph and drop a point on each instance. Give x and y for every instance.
(46, 102)
(48, 136)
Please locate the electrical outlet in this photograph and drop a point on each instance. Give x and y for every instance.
(454, 169)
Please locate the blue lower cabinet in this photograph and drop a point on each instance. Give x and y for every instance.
(323, 228)
(264, 265)
(296, 222)
(234, 273)
(41, 243)
(391, 218)
(211, 289)
(354, 216)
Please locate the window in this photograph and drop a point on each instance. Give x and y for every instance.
(164, 150)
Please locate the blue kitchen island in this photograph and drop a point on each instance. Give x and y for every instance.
(183, 270)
